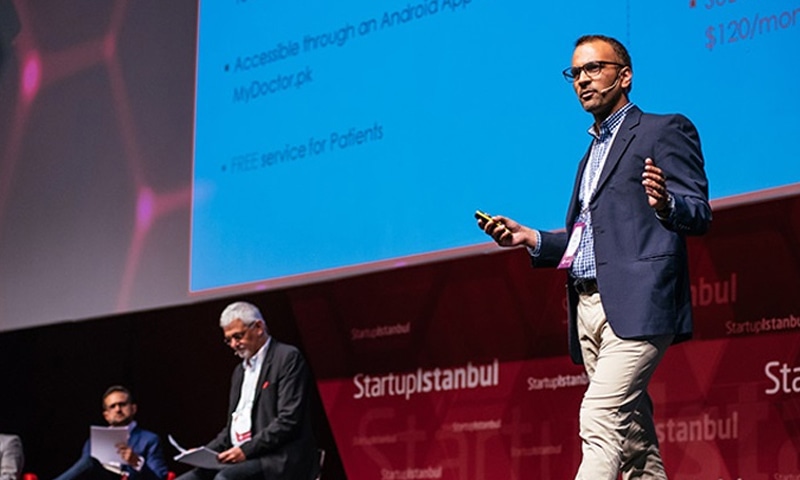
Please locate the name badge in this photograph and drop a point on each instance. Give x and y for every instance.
(240, 428)
(572, 246)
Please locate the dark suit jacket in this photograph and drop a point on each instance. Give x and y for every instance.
(281, 423)
(642, 270)
(146, 444)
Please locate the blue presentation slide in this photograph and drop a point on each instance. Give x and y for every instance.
(332, 136)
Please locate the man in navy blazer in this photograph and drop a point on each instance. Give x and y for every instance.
(268, 434)
(142, 458)
(640, 189)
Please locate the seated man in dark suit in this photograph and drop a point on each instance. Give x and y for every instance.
(141, 459)
(268, 434)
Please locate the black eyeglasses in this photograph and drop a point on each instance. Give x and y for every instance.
(118, 404)
(592, 70)
(238, 336)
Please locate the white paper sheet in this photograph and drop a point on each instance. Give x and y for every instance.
(197, 457)
(104, 441)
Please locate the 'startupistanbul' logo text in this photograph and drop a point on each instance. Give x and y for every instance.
(468, 377)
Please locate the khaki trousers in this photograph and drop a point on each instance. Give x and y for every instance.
(616, 415)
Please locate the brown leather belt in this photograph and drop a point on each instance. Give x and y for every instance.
(586, 287)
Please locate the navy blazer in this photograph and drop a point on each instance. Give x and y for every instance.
(642, 263)
(281, 422)
(146, 444)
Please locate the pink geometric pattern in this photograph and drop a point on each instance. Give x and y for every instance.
(51, 60)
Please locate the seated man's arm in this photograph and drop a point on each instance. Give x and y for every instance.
(154, 465)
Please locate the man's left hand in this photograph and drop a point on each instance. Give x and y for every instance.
(655, 186)
(232, 455)
(128, 455)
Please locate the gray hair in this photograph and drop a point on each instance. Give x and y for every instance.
(246, 312)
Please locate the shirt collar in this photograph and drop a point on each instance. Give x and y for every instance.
(611, 124)
(258, 357)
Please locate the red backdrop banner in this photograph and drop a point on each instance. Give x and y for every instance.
(458, 370)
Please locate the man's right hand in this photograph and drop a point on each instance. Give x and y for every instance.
(508, 233)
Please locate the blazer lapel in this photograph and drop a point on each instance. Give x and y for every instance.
(263, 381)
(236, 387)
(625, 134)
(574, 202)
